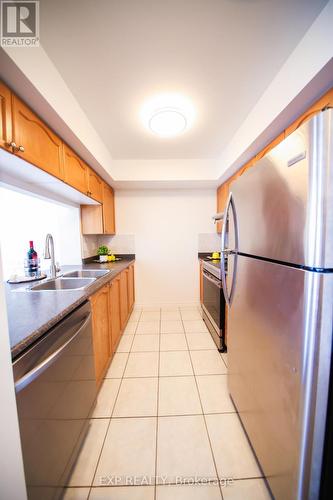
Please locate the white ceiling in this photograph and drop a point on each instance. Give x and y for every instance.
(222, 54)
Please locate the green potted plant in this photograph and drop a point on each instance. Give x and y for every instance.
(103, 253)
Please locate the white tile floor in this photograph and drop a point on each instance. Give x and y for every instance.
(164, 416)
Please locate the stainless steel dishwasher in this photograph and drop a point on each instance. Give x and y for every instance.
(55, 392)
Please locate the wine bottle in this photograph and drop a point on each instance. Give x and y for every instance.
(32, 260)
(32, 254)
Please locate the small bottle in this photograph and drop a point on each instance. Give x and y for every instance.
(32, 254)
(32, 261)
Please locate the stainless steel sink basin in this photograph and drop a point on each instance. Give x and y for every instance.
(63, 284)
(87, 273)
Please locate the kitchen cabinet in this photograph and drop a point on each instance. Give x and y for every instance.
(323, 102)
(75, 171)
(101, 331)
(246, 166)
(130, 287)
(34, 140)
(114, 301)
(123, 299)
(91, 219)
(108, 211)
(99, 219)
(5, 117)
(269, 146)
(95, 185)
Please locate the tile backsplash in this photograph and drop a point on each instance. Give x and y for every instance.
(119, 243)
(209, 242)
(125, 243)
(89, 245)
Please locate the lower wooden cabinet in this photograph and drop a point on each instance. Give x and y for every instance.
(114, 301)
(101, 331)
(111, 307)
(130, 288)
(123, 299)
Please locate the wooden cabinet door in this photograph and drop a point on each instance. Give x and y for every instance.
(75, 171)
(91, 219)
(5, 117)
(108, 210)
(115, 312)
(101, 330)
(123, 300)
(130, 287)
(95, 185)
(40, 146)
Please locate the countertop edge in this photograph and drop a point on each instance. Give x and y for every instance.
(91, 290)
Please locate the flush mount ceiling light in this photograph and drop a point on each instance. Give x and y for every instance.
(167, 122)
(167, 115)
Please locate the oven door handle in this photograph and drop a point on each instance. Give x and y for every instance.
(39, 369)
(212, 280)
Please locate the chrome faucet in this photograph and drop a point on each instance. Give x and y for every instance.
(49, 254)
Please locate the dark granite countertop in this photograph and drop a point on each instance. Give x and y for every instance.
(31, 314)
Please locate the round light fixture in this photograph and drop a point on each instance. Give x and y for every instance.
(167, 115)
(167, 122)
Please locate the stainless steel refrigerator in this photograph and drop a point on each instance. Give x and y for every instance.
(278, 239)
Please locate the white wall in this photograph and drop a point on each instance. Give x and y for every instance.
(166, 224)
(26, 217)
(12, 484)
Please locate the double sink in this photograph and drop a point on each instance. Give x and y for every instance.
(73, 280)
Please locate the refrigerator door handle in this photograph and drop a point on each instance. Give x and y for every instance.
(225, 251)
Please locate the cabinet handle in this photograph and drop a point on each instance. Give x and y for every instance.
(15, 147)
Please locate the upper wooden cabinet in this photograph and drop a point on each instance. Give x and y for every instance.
(99, 219)
(5, 117)
(24, 134)
(75, 171)
(101, 331)
(95, 186)
(108, 210)
(34, 141)
(268, 148)
(325, 101)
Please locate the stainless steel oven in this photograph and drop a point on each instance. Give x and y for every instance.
(213, 303)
